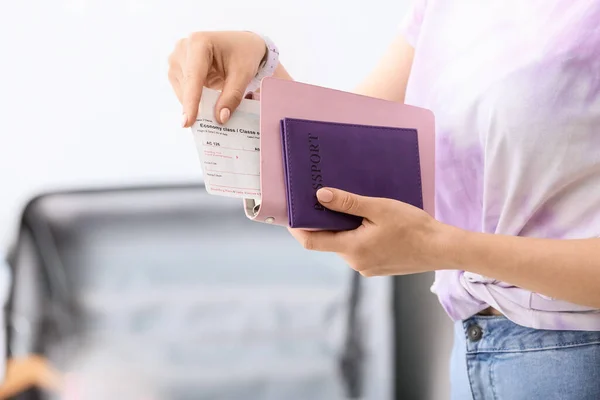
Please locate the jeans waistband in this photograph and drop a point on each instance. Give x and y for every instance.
(497, 334)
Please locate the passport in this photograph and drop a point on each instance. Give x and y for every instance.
(374, 161)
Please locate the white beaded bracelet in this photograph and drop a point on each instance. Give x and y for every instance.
(267, 67)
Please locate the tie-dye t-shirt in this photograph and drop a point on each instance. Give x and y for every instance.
(515, 88)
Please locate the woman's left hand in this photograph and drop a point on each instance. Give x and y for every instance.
(395, 238)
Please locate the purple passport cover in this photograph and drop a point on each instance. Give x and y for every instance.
(368, 160)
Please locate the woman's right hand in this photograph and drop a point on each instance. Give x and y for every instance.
(226, 61)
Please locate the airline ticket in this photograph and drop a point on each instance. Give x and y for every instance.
(229, 153)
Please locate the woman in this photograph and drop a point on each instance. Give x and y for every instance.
(515, 87)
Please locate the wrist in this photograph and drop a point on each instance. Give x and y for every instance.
(268, 64)
(450, 245)
(265, 57)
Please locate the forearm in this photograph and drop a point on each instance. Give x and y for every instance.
(281, 73)
(388, 79)
(564, 269)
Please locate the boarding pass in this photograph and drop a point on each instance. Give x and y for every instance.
(229, 153)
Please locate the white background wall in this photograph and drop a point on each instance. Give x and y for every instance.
(84, 96)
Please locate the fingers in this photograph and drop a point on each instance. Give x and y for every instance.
(349, 203)
(321, 240)
(233, 92)
(230, 57)
(198, 61)
(347, 244)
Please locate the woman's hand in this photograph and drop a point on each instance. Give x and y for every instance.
(226, 61)
(394, 239)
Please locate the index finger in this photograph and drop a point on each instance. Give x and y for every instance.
(194, 75)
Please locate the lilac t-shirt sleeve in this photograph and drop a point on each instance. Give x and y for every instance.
(411, 24)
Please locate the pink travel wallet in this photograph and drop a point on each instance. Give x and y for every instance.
(282, 99)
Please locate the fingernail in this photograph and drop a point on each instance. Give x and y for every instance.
(224, 115)
(324, 195)
(184, 120)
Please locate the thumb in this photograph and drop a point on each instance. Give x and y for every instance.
(233, 92)
(347, 203)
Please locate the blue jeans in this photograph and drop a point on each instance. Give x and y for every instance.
(496, 359)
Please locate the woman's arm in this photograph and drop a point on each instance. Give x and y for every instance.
(396, 239)
(389, 77)
(564, 269)
(229, 60)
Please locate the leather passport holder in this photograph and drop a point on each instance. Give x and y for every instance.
(372, 161)
(280, 99)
